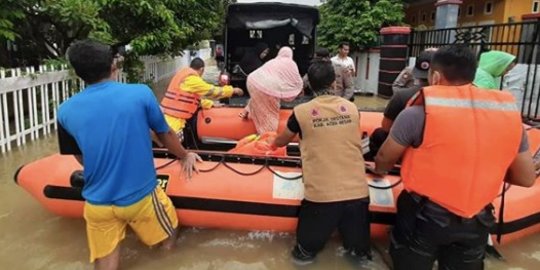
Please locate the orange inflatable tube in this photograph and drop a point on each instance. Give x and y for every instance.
(244, 192)
(224, 123)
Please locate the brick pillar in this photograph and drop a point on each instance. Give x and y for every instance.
(394, 57)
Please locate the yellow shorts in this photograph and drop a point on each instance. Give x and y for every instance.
(153, 219)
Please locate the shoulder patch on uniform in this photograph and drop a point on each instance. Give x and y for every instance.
(342, 108)
(315, 112)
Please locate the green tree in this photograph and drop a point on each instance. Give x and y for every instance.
(356, 21)
(10, 11)
(46, 28)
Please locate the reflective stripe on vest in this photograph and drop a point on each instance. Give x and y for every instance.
(178, 103)
(471, 136)
(472, 104)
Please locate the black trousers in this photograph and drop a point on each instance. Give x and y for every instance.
(317, 221)
(426, 232)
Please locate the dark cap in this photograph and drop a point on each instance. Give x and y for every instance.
(422, 65)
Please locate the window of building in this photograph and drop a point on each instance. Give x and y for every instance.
(413, 20)
(423, 17)
(433, 16)
(470, 10)
(536, 6)
(488, 8)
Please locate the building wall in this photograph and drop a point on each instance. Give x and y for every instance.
(517, 8)
(501, 11)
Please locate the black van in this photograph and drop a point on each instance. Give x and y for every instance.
(276, 24)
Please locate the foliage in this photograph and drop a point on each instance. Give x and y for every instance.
(45, 28)
(9, 12)
(356, 21)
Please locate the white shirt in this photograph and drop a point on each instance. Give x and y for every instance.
(344, 62)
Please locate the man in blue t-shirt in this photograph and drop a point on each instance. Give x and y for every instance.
(107, 127)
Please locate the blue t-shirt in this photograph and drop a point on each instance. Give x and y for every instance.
(111, 123)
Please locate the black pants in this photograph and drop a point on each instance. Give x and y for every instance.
(425, 232)
(317, 221)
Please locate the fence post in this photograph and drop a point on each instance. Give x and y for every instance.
(394, 54)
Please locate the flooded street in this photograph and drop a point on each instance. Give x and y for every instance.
(35, 239)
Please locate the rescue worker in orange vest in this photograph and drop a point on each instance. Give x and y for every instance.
(187, 91)
(459, 144)
(335, 186)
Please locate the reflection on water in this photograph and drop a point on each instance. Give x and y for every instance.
(34, 239)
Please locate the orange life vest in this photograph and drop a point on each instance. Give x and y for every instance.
(178, 103)
(471, 137)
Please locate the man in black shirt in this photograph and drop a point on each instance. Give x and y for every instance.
(399, 100)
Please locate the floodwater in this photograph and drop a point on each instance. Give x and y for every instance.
(32, 238)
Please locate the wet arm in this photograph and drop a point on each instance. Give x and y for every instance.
(521, 171)
(196, 85)
(284, 138)
(406, 131)
(170, 140)
(390, 152)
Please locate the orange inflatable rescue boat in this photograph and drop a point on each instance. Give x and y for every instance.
(244, 192)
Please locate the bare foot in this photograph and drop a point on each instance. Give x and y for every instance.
(243, 115)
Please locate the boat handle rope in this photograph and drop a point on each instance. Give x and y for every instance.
(294, 178)
(387, 187)
(211, 169)
(243, 173)
(284, 177)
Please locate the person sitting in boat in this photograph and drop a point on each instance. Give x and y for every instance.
(106, 127)
(399, 100)
(335, 186)
(184, 93)
(459, 144)
(278, 79)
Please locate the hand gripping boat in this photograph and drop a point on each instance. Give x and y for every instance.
(243, 192)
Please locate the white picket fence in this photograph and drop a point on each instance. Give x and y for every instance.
(29, 98)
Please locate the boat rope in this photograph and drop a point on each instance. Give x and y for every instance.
(211, 169)
(284, 177)
(266, 165)
(243, 173)
(387, 187)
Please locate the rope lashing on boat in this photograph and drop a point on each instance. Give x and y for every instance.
(284, 177)
(265, 165)
(387, 187)
(243, 173)
(211, 169)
